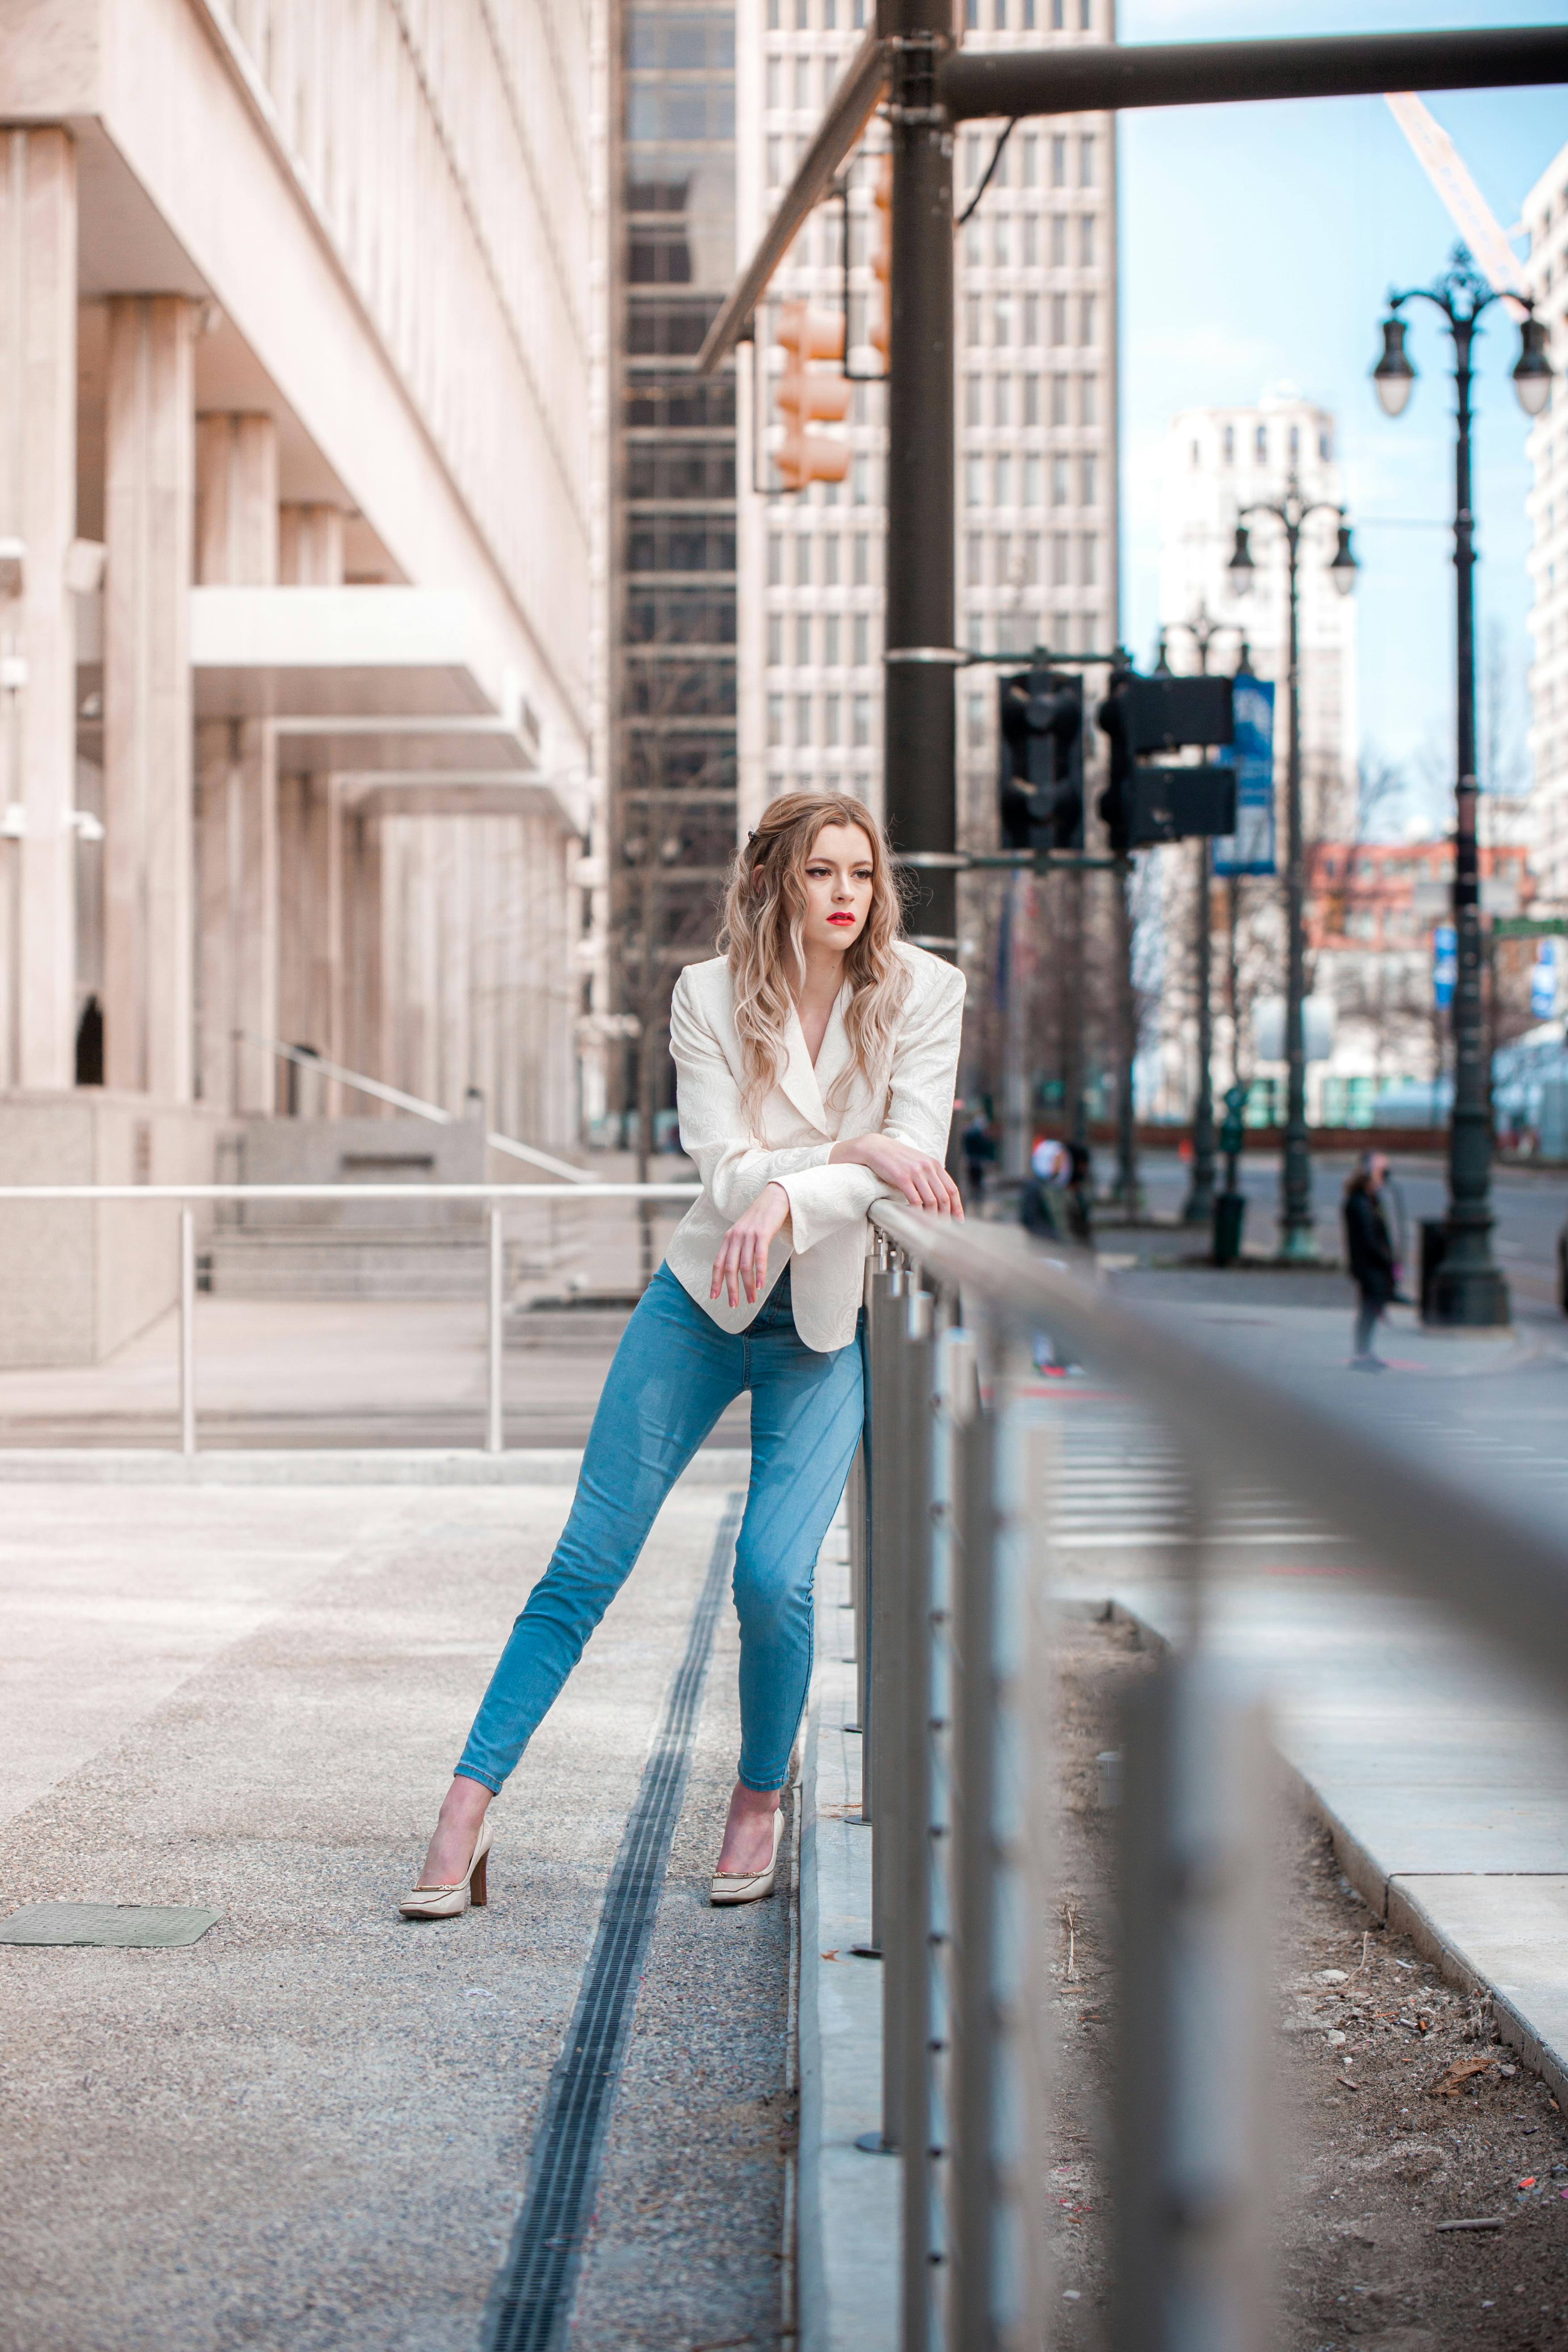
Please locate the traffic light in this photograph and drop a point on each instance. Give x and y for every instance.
(882, 258)
(1144, 804)
(1041, 714)
(804, 393)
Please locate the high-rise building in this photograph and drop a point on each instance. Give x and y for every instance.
(673, 567)
(1217, 461)
(1545, 216)
(1036, 456)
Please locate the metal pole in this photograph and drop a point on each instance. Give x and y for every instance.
(920, 747)
(1469, 1288)
(187, 1331)
(1128, 1191)
(905, 2031)
(855, 1512)
(1296, 1237)
(1198, 1208)
(495, 1438)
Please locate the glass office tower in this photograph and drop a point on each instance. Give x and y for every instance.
(673, 742)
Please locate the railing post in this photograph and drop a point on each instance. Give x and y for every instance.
(1193, 2141)
(956, 1401)
(881, 1317)
(856, 1508)
(900, 1853)
(494, 1434)
(187, 1331)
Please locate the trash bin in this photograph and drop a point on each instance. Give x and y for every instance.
(1433, 1247)
(1229, 1216)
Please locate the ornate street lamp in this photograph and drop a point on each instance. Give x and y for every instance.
(1293, 512)
(1198, 1207)
(1469, 1287)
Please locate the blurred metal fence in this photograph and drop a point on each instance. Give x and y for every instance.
(496, 1195)
(948, 1523)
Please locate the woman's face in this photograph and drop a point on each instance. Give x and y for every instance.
(838, 887)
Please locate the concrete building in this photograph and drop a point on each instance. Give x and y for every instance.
(301, 527)
(1036, 468)
(1545, 216)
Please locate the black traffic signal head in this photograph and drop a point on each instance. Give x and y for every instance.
(1162, 714)
(1041, 714)
(1142, 806)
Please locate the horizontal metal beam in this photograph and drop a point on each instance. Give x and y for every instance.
(1504, 1575)
(851, 107)
(1071, 80)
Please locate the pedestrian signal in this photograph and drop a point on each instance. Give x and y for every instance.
(804, 393)
(1041, 714)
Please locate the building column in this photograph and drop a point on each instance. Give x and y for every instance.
(149, 497)
(310, 958)
(237, 784)
(311, 546)
(37, 623)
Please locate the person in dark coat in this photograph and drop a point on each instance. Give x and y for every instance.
(1369, 1246)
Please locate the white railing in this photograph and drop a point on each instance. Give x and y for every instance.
(578, 1190)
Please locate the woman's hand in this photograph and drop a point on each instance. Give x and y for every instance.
(742, 1260)
(921, 1179)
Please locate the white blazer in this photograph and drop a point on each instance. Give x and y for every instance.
(796, 1130)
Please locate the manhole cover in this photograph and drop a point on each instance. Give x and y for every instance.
(122, 1925)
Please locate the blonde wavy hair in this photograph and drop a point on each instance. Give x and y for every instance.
(761, 938)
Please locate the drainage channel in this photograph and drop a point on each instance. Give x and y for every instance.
(530, 2302)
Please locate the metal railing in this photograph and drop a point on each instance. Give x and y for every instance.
(414, 1195)
(949, 1581)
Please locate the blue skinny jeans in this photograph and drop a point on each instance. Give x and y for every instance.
(673, 1374)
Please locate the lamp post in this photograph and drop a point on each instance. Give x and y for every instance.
(1293, 512)
(1198, 1207)
(1469, 1287)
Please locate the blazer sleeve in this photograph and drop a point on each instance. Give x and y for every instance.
(922, 1083)
(714, 1131)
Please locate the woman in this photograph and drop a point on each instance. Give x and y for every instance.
(815, 1059)
(1370, 1249)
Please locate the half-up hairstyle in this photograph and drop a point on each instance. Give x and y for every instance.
(761, 936)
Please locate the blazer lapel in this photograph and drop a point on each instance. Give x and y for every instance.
(799, 1079)
(835, 1051)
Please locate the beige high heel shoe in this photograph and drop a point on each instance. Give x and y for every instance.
(446, 1902)
(748, 1885)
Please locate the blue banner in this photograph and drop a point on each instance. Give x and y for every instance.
(1445, 965)
(1250, 848)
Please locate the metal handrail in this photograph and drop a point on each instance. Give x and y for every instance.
(950, 1559)
(494, 1431)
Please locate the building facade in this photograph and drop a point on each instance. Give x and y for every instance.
(1545, 216)
(303, 517)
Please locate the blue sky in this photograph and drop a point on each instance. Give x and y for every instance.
(1259, 244)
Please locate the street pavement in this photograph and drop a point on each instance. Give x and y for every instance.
(312, 2127)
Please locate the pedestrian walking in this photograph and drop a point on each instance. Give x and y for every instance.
(1037, 1213)
(1369, 1248)
(815, 1056)
(979, 1152)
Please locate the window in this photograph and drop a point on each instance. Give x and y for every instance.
(1033, 470)
(1031, 320)
(1028, 15)
(1059, 559)
(862, 560)
(830, 556)
(1087, 400)
(862, 481)
(830, 643)
(1058, 241)
(775, 560)
(830, 16)
(1058, 481)
(1089, 561)
(802, 722)
(1261, 444)
(1195, 457)
(975, 722)
(970, 158)
(773, 18)
(973, 560)
(830, 719)
(1228, 444)
(972, 16)
(803, 15)
(1003, 560)
(1031, 159)
(1086, 485)
(803, 561)
(972, 321)
(974, 481)
(1001, 401)
(1086, 319)
(1004, 481)
(802, 84)
(1001, 15)
(973, 247)
(775, 83)
(775, 162)
(1031, 400)
(1058, 155)
(862, 639)
(1086, 162)
(1058, 319)
(1325, 445)
(860, 720)
(1001, 241)
(775, 640)
(1295, 443)
(1003, 323)
(1058, 15)
(1058, 400)
(1032, 560)
(1086, 15)
(971, 411)
(1086, 241)
(1031, 241)
(803, 640)
(775, 719)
